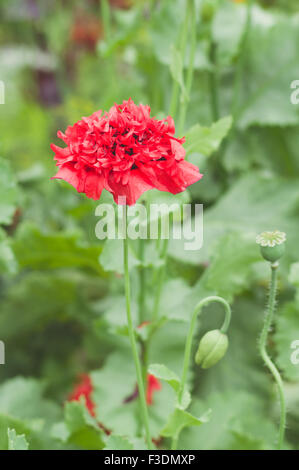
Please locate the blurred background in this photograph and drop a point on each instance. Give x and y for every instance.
(61, 299)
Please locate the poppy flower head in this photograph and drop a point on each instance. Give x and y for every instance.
(125, 151)
(84, 389)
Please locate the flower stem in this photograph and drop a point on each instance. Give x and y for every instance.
(214, 83)
(141, 307)
(160, 280)
(143, 407)
(182, 48)
(190, 71)
(174, 443)
(141, 296)
(142, 299)
(263, 352)
(240, 64)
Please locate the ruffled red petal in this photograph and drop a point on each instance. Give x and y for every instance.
(68, 174)
(94, 185)
(189, 173)
(130, 192)
(88, 182)
(185, 174)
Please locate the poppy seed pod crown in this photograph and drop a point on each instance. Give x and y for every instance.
(272, 245)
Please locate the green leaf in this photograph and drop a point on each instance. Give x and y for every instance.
(181, 419)
(77, 416)
(83, 429)
(245, 441)
(118, 442)
(291, 390)
(112, 257)
(8, 263)
(267, 101)
(248, 434)
(21, 427)
(248, 207)
(162, 372)
(24, 409)
(166, 22)
(115, 314)
(8, 193)
(207, 140)
(127, 24)
(115, 442)
(37, 250)
(230, 425)
(115, 394)
(287, 332)
(231, 265)
(167, 202)
(60, 431)
(23, 398)
(66, 299)
(166, 19)
(16, 441)
(294, 274)
(244, 151)
(175, 303)
(113, 384)
(167, 345)
(227, 31)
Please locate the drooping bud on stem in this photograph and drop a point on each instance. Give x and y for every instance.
(212, 347)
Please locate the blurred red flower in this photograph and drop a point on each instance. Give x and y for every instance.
(84, 389)
(153, 384)
(124, 151)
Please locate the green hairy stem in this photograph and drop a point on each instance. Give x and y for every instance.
(265, 356)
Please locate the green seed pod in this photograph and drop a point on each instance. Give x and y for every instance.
(272, 254)
(272, 245)
(212, 347)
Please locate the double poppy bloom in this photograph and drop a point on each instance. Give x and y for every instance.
(125, 151)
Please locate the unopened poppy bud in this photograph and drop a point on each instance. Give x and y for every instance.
(212, 347)
(272, 245)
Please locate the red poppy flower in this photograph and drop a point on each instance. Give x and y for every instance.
(124, 151)
(153, 385)
(84, 389)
